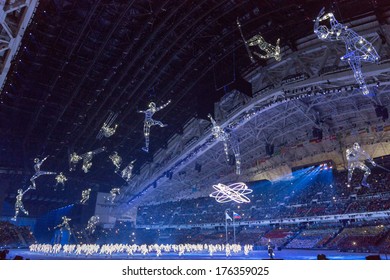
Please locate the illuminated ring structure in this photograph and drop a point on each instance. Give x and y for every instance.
(235, 192)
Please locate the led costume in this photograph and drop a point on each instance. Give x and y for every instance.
(107, 130)
(356, 157)
(223, 135)
(258, 40)
(85, 196)
(38, 172)
(358, 49)
(149, 121)
(235, 192)
(64, 224)
(128, 171)
(87, 159)
(116, 160)
(19, 203)
(113, 193)
(73, 160)
(92, 222)
(61, 179)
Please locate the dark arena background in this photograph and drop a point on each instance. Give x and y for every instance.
(163, 129)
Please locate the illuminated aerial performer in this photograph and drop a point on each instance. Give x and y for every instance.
(116, 160)
(258, 40)
(38, 172)
(64, 224)
(358, 49)
(73, 160)
(61, 179)
(19, 203)
(113, 193)
(128, 171)
(149, 121)
(223, 135)
(87, 159)
(85, 195)
(235, 192)
(107, 130)
(92, 222)
(356, 157)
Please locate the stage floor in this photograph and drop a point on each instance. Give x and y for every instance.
(287, 254)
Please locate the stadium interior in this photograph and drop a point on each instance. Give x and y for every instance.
(69, 69)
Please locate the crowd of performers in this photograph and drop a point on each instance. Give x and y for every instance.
(156, 249)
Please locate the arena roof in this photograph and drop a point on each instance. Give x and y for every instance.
(80, 60)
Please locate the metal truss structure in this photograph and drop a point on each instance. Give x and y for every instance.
(310, 91)
(15, 15)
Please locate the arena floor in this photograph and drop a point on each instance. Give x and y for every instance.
(286, 254)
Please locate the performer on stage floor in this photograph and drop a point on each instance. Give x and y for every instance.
(356, 157)
(270, 249)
